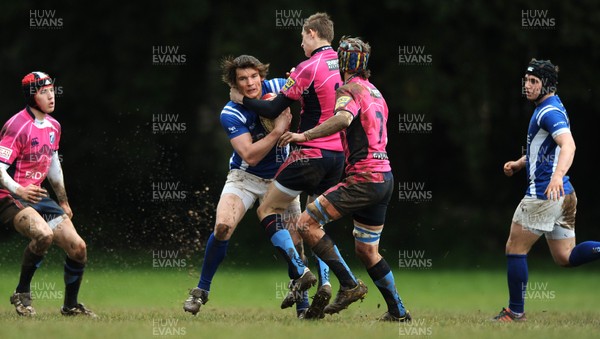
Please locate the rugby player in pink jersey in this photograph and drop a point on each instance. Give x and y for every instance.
(361, 114)
(317, 164)
(29, 151)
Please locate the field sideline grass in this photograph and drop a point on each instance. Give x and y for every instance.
(244, 303)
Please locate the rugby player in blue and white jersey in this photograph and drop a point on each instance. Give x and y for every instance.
(254, 162)
(549, 205)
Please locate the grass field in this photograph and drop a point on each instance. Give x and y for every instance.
(147, 303)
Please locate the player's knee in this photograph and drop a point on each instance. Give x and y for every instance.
(78, 251)
(223, 231)
(367, 254)
(305, 223)
(562, 260)
(514, 247)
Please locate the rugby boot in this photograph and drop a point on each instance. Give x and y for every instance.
(297, 287)
(320, 300)
(197, 298)
(77, 310)
(22, 302)
(347, 297)
(507, 316)
(387, 316)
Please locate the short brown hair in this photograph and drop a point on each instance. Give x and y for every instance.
(229, 65)
(320, 23)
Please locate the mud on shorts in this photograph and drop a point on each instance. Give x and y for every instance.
(47, 208)
(310, 170)
(363, 195)
(554, 219)
(250, 188)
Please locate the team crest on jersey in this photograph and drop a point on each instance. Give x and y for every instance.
(288, 84)
(5, 153)
(342, 101)
(52, 137)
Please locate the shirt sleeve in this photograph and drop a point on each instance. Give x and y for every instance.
(10, 144)
(297, 83)
(274, 85)
(555, 122)
(345, 101)
(233, 122)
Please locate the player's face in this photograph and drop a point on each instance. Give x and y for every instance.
(307, 42)
(532, 87)
(45, 99)
(249, 82)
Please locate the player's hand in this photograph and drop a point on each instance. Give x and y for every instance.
(555, 188)
(67, 208)
(236, 96)
(282, 122)
(511, 167)
(32, 193)
(287, 74)
(288, 137)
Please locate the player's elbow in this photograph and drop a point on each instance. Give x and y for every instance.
(251, 160)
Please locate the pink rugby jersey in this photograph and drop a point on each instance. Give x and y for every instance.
(314, 82)
(28, 144)
(366, 138)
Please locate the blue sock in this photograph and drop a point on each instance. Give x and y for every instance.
(517, 274)
(382, 276)
(213, 256)
(323, 271)
(282, 240)
(584, 253)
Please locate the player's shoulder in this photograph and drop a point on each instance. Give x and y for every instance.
(53, 122)
(351, 88)
(17, 121)
(273, 85)
(233, 112)
(551, 107)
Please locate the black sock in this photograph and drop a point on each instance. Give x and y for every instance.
(328, 252)
(31, 262)
(73, 277)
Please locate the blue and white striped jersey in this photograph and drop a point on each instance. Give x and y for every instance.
(548, 121)
(237, 120)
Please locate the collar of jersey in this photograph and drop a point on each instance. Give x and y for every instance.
(320, 49)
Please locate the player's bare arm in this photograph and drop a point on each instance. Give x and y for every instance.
(512, 167)
(56, 179)
(253, 153)
(336, 123)
(565, 159)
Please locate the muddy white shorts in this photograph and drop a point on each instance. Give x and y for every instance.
(554, 219)
(250, 188)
